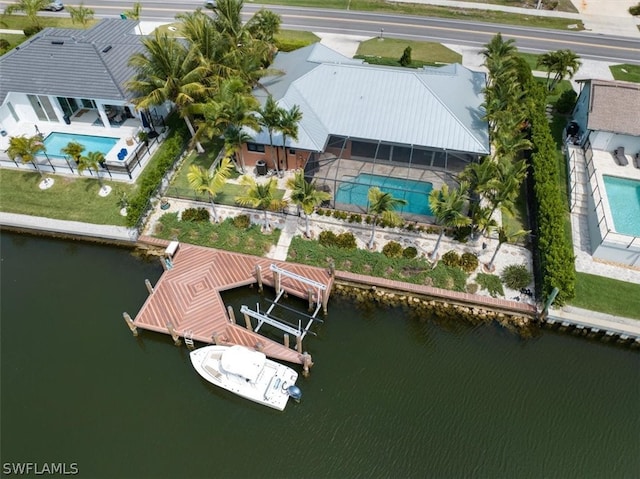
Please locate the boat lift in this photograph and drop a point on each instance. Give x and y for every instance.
(269, 318)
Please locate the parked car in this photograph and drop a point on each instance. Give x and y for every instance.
(54, 6)
(210, 4)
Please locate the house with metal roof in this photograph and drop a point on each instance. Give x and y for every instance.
(61, 74)
(431, 117)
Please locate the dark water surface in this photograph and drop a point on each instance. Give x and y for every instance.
(389, 396)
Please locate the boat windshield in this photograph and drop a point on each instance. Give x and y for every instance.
(243, 362)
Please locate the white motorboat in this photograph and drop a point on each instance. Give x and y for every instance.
(247, 373)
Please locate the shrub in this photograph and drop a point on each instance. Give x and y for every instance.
(31, 30)
(405, 59)
(392, 249)
(451, 258)
(162, 160)
(491, 283)
(242, 222)
(327, 238)
(355, 218)
(472, 288)
(368, 219)
(410, 252)
(566, 101)
(195, 214)
(635, 9)
(288, 45)
(346, 241)
(516, 276)
(468, 262)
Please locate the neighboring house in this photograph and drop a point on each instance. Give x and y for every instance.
(60, 73)
(608, 115)
(426, 118)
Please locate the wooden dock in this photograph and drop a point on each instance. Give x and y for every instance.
(186, 298)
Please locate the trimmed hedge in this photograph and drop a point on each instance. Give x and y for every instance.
(555, 250)
(149, 180)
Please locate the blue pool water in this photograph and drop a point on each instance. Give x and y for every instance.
(54, 142)
(624, 202)
(415, 192)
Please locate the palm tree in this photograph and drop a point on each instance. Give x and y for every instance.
(135, 12)
(26, 149)
(499, 55)
(270, 118)
(234, 138)
(505, 236)
(305, 195)
(261, 196)
(480, 178)
(561, 63)
(30, 9)
(168, 71)
(74, 150)
(382, 206)
(81, 14)
(447, 205)
(289, 120)
(210, 182)
(264, 25)
(92, 161)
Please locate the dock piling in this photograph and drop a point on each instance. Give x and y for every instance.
(247, 322)
(130, 323)
(310, 298)
(174, 334)
(259, 277)
(276, 275)
(286, 340)
(299, 344)
(325, 300)
(306, 364)
(232, 314)
(147, 283)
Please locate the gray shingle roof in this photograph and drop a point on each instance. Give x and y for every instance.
(73, 63)
(614, 106)
(431, 107)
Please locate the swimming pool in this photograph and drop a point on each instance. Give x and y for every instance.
(54, 142)
(624, 202)
(415, 192)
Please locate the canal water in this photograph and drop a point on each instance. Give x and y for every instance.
(389, 395)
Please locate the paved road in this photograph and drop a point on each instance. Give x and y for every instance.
(587, 45)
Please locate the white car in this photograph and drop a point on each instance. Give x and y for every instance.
(210, 4)
(54, 6)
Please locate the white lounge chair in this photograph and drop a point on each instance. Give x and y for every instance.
(618, 155)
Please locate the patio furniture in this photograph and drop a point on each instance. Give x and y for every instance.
(618, 155)
(636, 160)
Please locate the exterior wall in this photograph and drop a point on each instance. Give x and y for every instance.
(343, 153)
(605, 141)
(6, 119)
(581, 111)
(292, 161)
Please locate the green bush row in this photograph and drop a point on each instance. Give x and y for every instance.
(555, 249)
(149, 180)
(195, 214)
(342, 240)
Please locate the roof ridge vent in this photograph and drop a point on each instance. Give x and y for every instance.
(57, 42)
(107, 48)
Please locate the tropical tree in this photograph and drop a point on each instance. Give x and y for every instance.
(26, 149)
(135, 12)
(560, 63)
(81, 14)
(270, 118)
(261, 196)
(264, 25)
(505, 236)
(210, 181)
(499, 57)
(382, 205)
(288, 126)
(480, 178)
(92, 161)
(447, 207)
(30, 8)
(306, 196)
(74, 150)
(168, 70)
(234, 138)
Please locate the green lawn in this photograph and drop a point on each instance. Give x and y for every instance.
(74, 199)
(392, 49)
(469, 14)
(607, 296)
(224, 235)
(626, 72)
(20, 22)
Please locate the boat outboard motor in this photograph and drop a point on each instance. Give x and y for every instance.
(294, 392)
